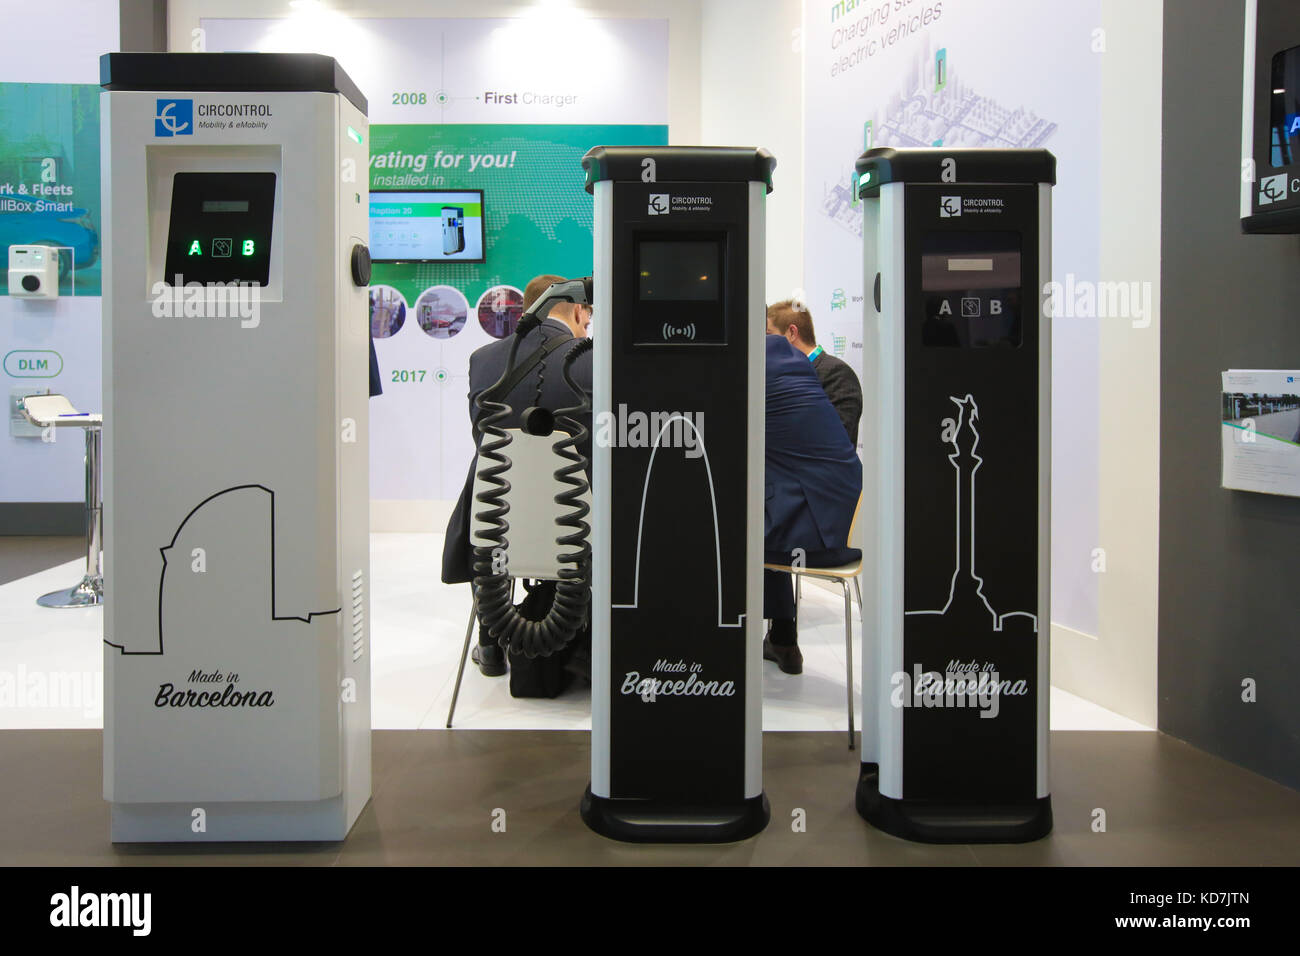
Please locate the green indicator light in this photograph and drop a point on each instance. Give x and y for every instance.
(195, 249)
(248, 247)
(355, 136)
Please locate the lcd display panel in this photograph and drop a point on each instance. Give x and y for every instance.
(220, 228)
(679, 283)
(971, 290)
(679, 270)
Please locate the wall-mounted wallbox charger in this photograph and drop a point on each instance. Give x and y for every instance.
(34, 272)
(1270, 120)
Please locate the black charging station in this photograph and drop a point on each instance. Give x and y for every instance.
(677, 488)
(956, 492)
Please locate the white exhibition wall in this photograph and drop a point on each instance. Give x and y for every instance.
(556, 56)
(751, 94)
(1115, 665)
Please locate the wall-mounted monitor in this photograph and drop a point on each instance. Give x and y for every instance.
(1270, 118)
(426, 225)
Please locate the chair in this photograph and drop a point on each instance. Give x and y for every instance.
(532, 551)
(55, 411)
(840, 575)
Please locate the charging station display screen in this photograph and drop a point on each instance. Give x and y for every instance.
(679, 271)
(426, 226)
(971, 288)
(1284, 108)
(679, 290)
(220, 228)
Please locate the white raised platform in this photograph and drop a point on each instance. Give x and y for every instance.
(51, 661)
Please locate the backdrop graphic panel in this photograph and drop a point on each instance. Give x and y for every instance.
(967, 73)
(536, 219)
(49, 194)
(468, 104)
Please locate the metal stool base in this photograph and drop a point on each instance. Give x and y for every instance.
(89, 593)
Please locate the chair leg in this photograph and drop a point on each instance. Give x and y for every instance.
(858, 590)
(848, 654)
(464, 656)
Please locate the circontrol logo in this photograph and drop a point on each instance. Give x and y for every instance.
(949, 207)
(658, 205)
(1272, 189)
(174, 118)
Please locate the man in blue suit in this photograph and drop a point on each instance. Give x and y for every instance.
(813, 481)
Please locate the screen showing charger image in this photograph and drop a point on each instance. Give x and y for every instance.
(970, 289)
(220, 228)
(680, 289)
(426, 225)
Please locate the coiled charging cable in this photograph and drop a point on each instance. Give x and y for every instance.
(496, 611)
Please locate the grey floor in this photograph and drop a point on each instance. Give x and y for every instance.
(1165, 803)
(21, 555)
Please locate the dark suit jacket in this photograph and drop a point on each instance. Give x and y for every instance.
(486, 366)
(843, 389)
(813, 477)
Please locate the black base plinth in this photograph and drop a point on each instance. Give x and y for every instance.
(653, 821)
(927, 822)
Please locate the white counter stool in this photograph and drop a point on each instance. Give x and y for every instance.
(55, 411)
(841, 575)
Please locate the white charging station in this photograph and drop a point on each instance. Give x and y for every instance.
(236, 667)
(34, 272)
(956, 496)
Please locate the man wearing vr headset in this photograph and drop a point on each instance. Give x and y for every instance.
(564, 327)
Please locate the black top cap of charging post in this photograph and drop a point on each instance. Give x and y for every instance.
(228, 73)
(885, 164)
(679, 164)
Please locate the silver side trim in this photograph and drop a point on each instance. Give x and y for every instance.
(602, 401)
(891, 502)
(1248, 104)
(1044, 483)
(869, 514)
(755, 332)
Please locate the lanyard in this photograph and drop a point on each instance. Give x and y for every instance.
(812, 356)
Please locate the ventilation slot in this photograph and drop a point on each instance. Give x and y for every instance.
(358, 616)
